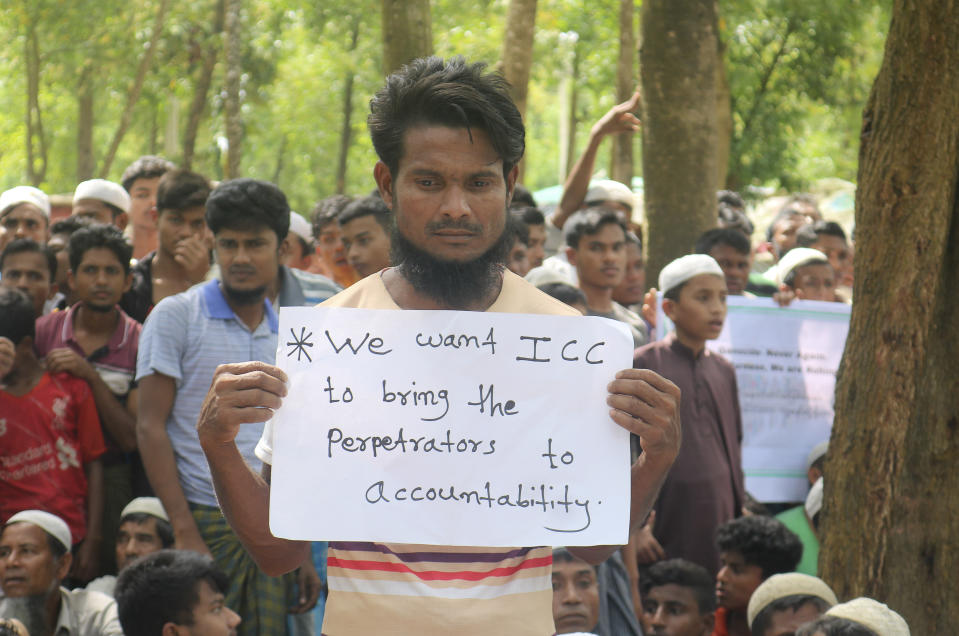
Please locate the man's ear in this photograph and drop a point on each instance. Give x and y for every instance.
(285, 249)
(669, 308)
(63, 565)
(571, 256)
(511, 177)
(384, 182)
(128, 282)
(170, 629)
(121, 220)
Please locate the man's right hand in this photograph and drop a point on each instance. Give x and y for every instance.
(647, 548)
(619, 119)
(191, 540)
(193, 255)
(241, 393)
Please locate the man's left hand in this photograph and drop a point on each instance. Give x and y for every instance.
(647, 404)
(65, 360)
(308, 587)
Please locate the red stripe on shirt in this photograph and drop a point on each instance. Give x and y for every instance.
(433, 575)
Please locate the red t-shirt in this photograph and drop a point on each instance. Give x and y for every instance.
(46, 436)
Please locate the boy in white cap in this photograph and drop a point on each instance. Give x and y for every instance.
(34, 559)
(103, 201)
(783, 602)
(858, 617)
(806, 274)
(704, 489)
(24, 213)
(299, 244)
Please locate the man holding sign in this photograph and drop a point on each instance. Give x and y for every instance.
(449, 140)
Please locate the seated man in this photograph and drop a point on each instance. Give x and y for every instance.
(678, 599)
(366, 225)
(174, 592)
(34, 559)
(751, 549)
(858, 617)
(102, 201)
(785, 601)
(28, 266)
(144, 529)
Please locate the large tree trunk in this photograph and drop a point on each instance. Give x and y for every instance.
(231, 106)
(621, 158)
(85, 120)
(134, 93)
(517, 58)
(202, 87)
(346, 128)
(407, 32)
(891, 515)
(678, 58)
(724, 119)
(36, 139)
(568, 119)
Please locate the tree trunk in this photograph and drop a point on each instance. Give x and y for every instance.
(568, 119)
(202, 88)
(517, 58)
(36, 139)
(85, 120)
(890, 524)
(678, 59)
(134, 93)
(407, 32)
(231, 106)
(724, 119)
(621, 158)
(346, 129)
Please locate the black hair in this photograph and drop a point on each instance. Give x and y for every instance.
(161, 588)
(25, 246)
(435, 92)
(564, 292)
(146, 167)
(70, 224)
(730, 198)
(589, 222)
(735, 219)
(98, 235)
(248, 204)
(522, 198)
(16, 315)
(164, 529)
(517, 229)
(528, 215)
(790, 279)
(834, 626)
(326, 211)
(367, 206)
(685, 574)
(810, 233)
(762, 541)
(673, 294)
(787, 603)
(562, 555)
(722, 236)
(180, 190)
(784, 213)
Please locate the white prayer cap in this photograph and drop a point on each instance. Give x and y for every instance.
(300, 227)
(817, 451)
(782, 585)
(685, 267)
(814, 499)
(103, 190)
(797, 257)
(49, 523)
(872, 614)
(145, 505)
(609, 190)
(24, 194)
(544, 275)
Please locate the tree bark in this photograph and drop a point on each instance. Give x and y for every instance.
(407, 32)
(85, 120)
(678, 60)
(134, 93)
(231, 106)
(517, 57)
(890, 524)
(724, 118)
(621, 157)
(346, 129)
(202, 88)
(36, 139)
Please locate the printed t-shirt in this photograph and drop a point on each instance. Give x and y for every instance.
(426, 589)
(46, 436)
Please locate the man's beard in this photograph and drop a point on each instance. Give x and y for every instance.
(450, 283)
(29, 610)
(245, 296)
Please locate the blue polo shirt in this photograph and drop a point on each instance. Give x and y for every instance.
(186, 337)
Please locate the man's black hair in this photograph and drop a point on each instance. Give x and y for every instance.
(180, 190)
(730, 198)
(834, 626)
(98, 235)
(790, 278)
(70, 224)
(161, 588)
(590, 221)
(810, 233)
(248, 204)
(16, 315)
(326, 211)
(368, 206)
(722, 236)
(564, 292)
(146, 167)
(528, 214)
(684, 574)
(522, 198)
(787, 603)
(26, 246)
(453, 93)
(762, 541)
(517, 229)
(735, 219)
(164, 529)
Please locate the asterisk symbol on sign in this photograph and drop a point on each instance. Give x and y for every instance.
(299, 344)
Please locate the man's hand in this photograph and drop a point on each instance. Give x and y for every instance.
(241, 393)
(308, 587)
(649, 307)
(619, 119)
(65, 360)
(193, 255)
(647, 548)
(785, 296)
(647, 404)
(191, 540)
(7, 354)
(84, 566)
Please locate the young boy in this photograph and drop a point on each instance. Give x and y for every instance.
(678, 599)
(50, 439)
(806, 274)
(704, 489)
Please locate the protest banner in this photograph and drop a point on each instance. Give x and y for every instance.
(786, 360)
(449, 428)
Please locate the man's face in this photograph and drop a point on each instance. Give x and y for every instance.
(575, 597)
(449, 194)
(135, 540)
(518, 259)
(736, 581)
(672, 610)
(27, 565)
(211, 617)
(536, 250)
(836, 250)
(630, 291)
(26, 221)
(600, 258)
(176, 226)
(100, 280)
(28, 272)
(735, 266)
(329, 245)
(784, 232)
(143, 196)
(249, 261)
(98, 212)
(367, 245)
(58, 245)
(786, 622)
(815, 282)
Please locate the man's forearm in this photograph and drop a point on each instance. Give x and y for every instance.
(161, 470)
(119, 423)
(577, 184)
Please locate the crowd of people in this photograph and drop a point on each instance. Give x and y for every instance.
(137, 342)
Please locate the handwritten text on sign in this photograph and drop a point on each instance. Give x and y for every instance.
(449, 428)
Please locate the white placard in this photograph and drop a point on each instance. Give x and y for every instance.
(786, 360)
(449, 428)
